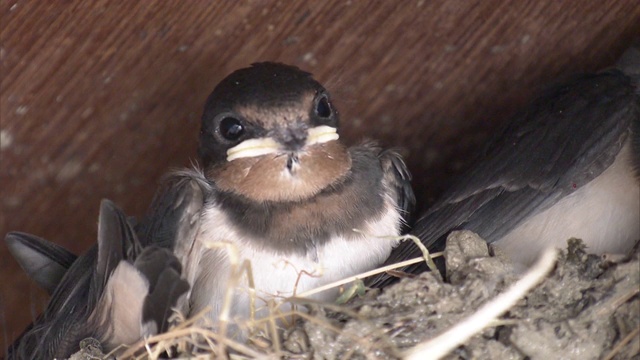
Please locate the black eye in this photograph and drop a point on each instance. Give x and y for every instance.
(231, 128)
(323, 108)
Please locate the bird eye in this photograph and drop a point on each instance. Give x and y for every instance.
(323, 108)
(231, 128)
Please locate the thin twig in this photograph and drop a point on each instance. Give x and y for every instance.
(442, 344)
(365, 275)
(632, 335)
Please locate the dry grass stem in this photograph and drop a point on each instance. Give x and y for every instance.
(442, 344)
(632, 335)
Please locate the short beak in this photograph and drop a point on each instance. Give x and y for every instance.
(267, 145)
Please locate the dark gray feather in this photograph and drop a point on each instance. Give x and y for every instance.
(162, 269)
(175, 211)
(399, 178)
(44, 262)
(58, 331)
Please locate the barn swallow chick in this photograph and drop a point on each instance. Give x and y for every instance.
(280, 188)
(566, 167)
(119, 292)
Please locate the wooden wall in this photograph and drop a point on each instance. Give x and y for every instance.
(100, 98)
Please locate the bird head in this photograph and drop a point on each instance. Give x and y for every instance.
(270, 133)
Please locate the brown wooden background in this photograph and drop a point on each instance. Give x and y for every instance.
(99, 98)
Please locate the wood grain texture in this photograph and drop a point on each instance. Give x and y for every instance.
(99, 98)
